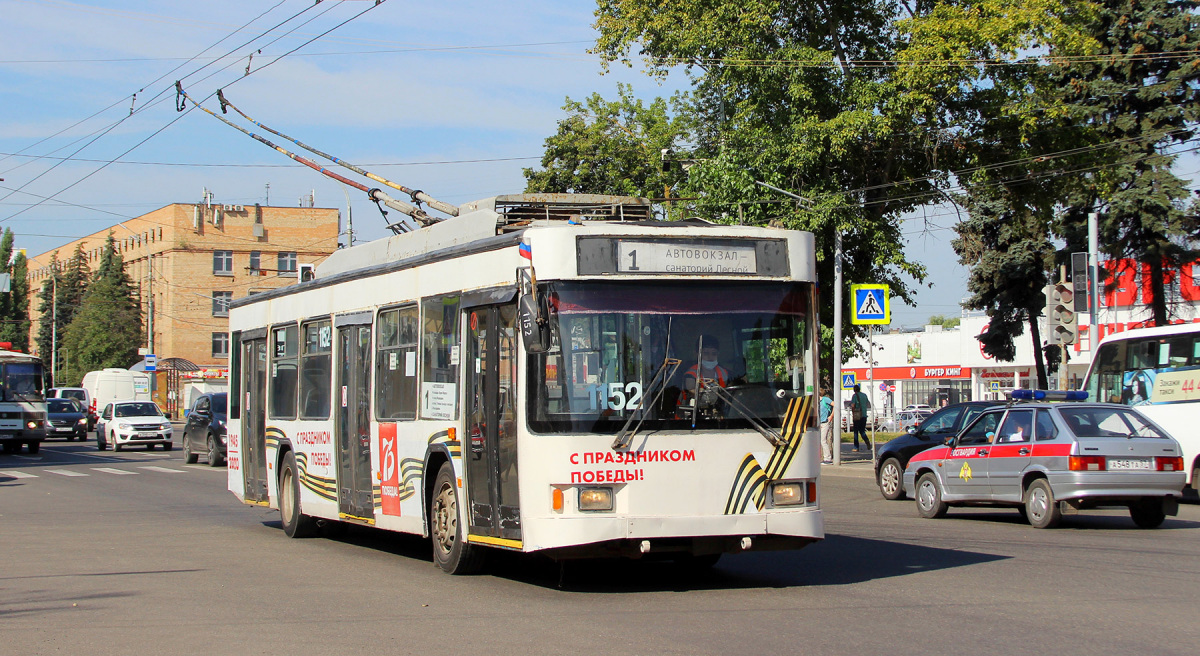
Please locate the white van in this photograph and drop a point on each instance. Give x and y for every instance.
(108, 385)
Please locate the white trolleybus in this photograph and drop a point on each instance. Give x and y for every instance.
(523, 376)
(1157, 370)
(22, 404)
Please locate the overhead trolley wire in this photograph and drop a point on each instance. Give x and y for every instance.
(172, 122)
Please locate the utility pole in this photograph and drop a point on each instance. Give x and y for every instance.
(54, 330)
(836, 383)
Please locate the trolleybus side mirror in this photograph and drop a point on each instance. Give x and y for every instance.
(535, 331)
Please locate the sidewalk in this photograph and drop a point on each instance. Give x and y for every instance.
(857, 465)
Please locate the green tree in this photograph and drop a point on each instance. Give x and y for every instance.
(780, 100)
(107, 329)
(1011, 253)
(613, 147)
(68, 283)
(1012, 144)
(14, 306)
(949, 323)
(1140, 98)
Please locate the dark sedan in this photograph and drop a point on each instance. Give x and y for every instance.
(66, 418)
(205, 429)
(934, 431)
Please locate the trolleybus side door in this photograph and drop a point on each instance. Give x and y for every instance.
(491, 422)
(254, 418)
(352, 402)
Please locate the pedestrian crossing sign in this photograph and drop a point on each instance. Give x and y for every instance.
(870, 305)
(849, 380)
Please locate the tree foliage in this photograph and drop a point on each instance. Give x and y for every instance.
(1139, 100)
(107, 329)
(14, 306)
(614, 147)
(67, 284)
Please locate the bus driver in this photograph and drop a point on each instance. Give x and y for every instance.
(707, 371)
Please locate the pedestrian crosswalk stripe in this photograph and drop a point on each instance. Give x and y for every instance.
(17, 474)
(163, 469)
(110, 470)
(65, 472)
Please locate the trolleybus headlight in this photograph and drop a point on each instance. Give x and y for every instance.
(595, 498)
(787, 494)
(31, 424)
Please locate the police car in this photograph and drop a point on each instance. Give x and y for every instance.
(1047, 459)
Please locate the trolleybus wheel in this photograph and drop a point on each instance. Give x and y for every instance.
(34, 446)
(295, 523)
(189, 457)
(1040, 507)
(450, 551)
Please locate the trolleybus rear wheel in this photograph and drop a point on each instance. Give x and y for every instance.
(450, 550)
(295, 523)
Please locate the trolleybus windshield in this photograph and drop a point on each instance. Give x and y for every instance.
(22, 381)
(610, 340)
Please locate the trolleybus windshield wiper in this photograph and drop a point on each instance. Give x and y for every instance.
(657, 386)
(725, 395)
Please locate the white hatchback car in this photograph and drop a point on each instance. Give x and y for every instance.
(130, 423)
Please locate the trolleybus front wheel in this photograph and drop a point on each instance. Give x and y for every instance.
(450, 550)
(295, 523)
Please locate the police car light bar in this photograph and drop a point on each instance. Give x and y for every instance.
(1048, 395)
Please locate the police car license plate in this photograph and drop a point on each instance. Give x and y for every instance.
(1129, 463)
(147, 435)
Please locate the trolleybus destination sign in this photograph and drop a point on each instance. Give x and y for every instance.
(662, 257)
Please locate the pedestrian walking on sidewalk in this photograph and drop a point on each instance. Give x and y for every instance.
(859, 405)
(826, 427)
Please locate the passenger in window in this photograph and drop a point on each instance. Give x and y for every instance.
(1017, 428)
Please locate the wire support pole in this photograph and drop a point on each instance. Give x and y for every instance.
(417, 195)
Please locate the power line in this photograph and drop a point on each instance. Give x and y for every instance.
(185, 111)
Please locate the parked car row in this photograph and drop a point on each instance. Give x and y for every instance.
(139, 422)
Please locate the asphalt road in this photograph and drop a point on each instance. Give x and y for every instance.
(136, 552)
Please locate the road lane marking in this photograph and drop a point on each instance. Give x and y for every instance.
(163, 469)
(110, 470)
(64, 472)
(17, 474)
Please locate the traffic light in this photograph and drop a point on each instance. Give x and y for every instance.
(1060, 313)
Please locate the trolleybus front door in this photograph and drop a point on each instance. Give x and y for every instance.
(352, 399)
(254, 419)
(490, 374)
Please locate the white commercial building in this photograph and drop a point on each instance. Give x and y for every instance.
(936, 367)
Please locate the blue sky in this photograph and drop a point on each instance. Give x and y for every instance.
(454, 98)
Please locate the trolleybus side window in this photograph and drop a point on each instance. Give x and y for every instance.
(439, 358)
(396, 364)
(315, 370)
(284, 349)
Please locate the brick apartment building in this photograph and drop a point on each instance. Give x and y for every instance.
(190, 260)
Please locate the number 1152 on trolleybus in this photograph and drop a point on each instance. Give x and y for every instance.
(553, 373)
